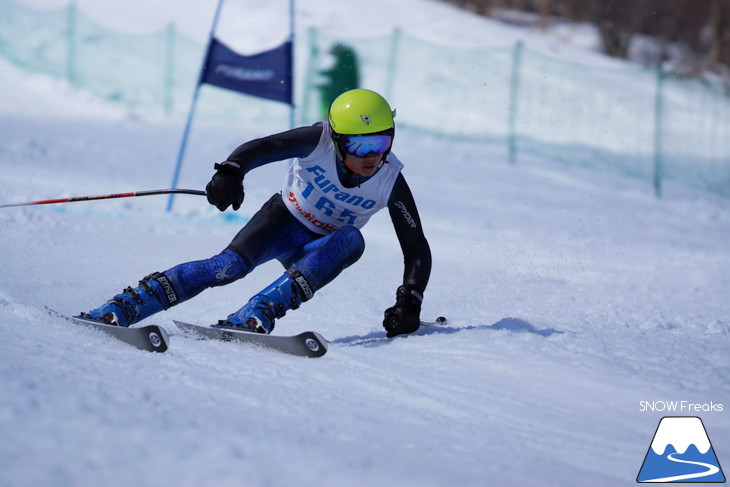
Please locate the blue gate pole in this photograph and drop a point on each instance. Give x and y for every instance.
(186, 132)
(292, 112)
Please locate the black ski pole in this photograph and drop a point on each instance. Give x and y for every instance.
(130, 194)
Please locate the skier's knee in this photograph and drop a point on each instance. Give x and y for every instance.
(353, 240)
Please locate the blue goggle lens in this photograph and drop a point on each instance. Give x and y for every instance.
(362, 145)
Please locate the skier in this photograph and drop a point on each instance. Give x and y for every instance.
(344, 172)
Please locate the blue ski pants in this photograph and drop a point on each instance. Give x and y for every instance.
(272, 233)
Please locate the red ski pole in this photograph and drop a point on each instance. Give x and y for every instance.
(131, 194)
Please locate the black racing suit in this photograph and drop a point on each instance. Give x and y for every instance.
(300, 142)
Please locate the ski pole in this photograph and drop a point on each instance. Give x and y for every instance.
(131, 194)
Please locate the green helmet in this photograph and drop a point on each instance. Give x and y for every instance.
(360, 111)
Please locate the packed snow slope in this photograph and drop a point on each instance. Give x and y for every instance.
(573, 298)
(621, 298)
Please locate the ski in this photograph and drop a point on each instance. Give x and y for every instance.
(441, 320)
(151, 338)
(306, 344)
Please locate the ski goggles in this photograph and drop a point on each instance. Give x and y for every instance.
(362, 145)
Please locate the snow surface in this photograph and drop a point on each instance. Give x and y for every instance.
(572, 296)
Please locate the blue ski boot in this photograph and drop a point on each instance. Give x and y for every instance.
(154, 294)
(261, 311)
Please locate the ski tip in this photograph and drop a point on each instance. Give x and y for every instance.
(316, 343)
(321, 338)
(441, 320)
(158, 338)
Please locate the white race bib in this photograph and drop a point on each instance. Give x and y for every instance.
(313, 192)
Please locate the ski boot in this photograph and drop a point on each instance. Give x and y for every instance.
(154, 294)
(262, 310)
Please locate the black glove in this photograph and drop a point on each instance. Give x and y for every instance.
(226, 186)
(405, 316)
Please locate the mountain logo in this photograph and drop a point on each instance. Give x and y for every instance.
(680, 452)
